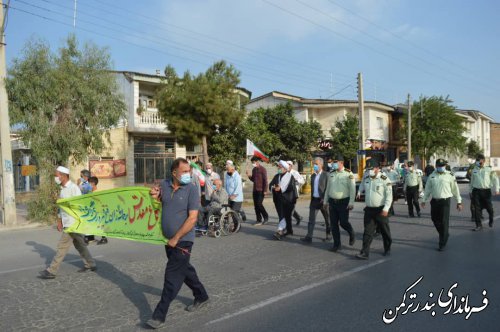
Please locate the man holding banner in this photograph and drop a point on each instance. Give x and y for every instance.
(180, 204)
(68, 189)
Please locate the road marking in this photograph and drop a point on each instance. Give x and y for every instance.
(294, 292)
(42, 266)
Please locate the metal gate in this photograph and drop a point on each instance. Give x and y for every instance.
(153, 158)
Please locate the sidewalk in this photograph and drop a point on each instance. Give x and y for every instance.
(22, 220)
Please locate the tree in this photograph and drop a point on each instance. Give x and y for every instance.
(195, 107)
(275, 131)
(436, 128)
(473, 149)
(63, 104)
(345, 137)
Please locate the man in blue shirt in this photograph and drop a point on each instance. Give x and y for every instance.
(180, 204)
(234, 188)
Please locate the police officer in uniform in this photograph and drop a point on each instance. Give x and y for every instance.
(378, 199)
(441, 185)
(483, 180)
(413, 187)
(339, 195)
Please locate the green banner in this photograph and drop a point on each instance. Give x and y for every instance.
(125, 213)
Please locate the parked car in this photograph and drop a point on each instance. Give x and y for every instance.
(461, 173)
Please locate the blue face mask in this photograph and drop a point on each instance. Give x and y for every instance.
(214, 186)
(478, 163)
(185, 178)
(279, 171)
(316, 168)
(335, 166)
(441, 169)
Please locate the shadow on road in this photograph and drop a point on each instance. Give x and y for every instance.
(48, 253)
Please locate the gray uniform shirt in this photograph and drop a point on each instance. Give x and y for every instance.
(176, 206)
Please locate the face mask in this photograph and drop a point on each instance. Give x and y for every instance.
(82, 179)
(214, 186)
(279, 171)
(478, 163)
(254, 165)
(371, 173)
(440, 169)
(330, 165)
(185, 178)
(58, 181)
(335, 166)
(316, 168)
(209, 171)
(410, 168)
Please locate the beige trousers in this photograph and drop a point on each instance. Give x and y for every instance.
(63, 247)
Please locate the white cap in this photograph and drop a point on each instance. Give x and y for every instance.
(284, 164)
(230, 163)
(62, 169)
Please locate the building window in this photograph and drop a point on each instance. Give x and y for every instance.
(380, 123)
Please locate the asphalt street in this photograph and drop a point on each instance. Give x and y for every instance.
(259, 284)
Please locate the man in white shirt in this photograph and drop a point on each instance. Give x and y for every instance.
(68, 189)
(299, 179)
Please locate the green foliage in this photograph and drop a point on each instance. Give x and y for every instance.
(436, 128)
(64, 103)
(345, 137)
(274, 130)
(473, 149)
(198, 106)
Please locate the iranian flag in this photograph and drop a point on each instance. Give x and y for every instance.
(252, 151)
(197, 171)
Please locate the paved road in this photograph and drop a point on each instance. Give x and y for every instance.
(256, 283)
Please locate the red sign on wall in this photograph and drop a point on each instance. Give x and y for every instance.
(108, 169)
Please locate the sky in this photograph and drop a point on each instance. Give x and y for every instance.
(307, 48)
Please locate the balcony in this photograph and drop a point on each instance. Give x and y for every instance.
(148, 121)
(150, 117)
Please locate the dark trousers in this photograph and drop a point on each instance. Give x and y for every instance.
(482, 199)
(177, 272)
(287, 210)
(394, 199)
(412, 200)
(296, 215)
(372, 218)
(317, 204)
(339, 214)
(440, 215)
(236, 206)
(260, 211)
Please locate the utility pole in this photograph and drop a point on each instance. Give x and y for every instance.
(409, 127)
(7, 194)
(361, 112)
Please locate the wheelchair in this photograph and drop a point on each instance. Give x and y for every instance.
(224, 222)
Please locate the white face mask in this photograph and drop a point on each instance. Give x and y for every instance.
(410, 168)
(209, 171)
(254, 165)
(371, 173)
(58, 181)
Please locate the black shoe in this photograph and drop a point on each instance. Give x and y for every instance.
(306, 239)
(298, 220)
(197, 305)
(441, 248)
(154, 323)
(278, 235)
(490, 224)
(418, 214)
(265, 221)
(478, 228)
(258, 223)
(102, 241)
(387, 253)
(352, 239)
(362, 255)
(85, 269)
(46, 275)
(327, 238)
(335, 248)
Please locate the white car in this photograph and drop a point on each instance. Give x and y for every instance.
(460, 173)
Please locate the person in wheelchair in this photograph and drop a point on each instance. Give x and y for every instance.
(218, 198)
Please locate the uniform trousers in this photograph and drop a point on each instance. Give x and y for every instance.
(339, 214)
(482, 199)
(372, 218)
(440, 215)
(412, 200)
(178, 271)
